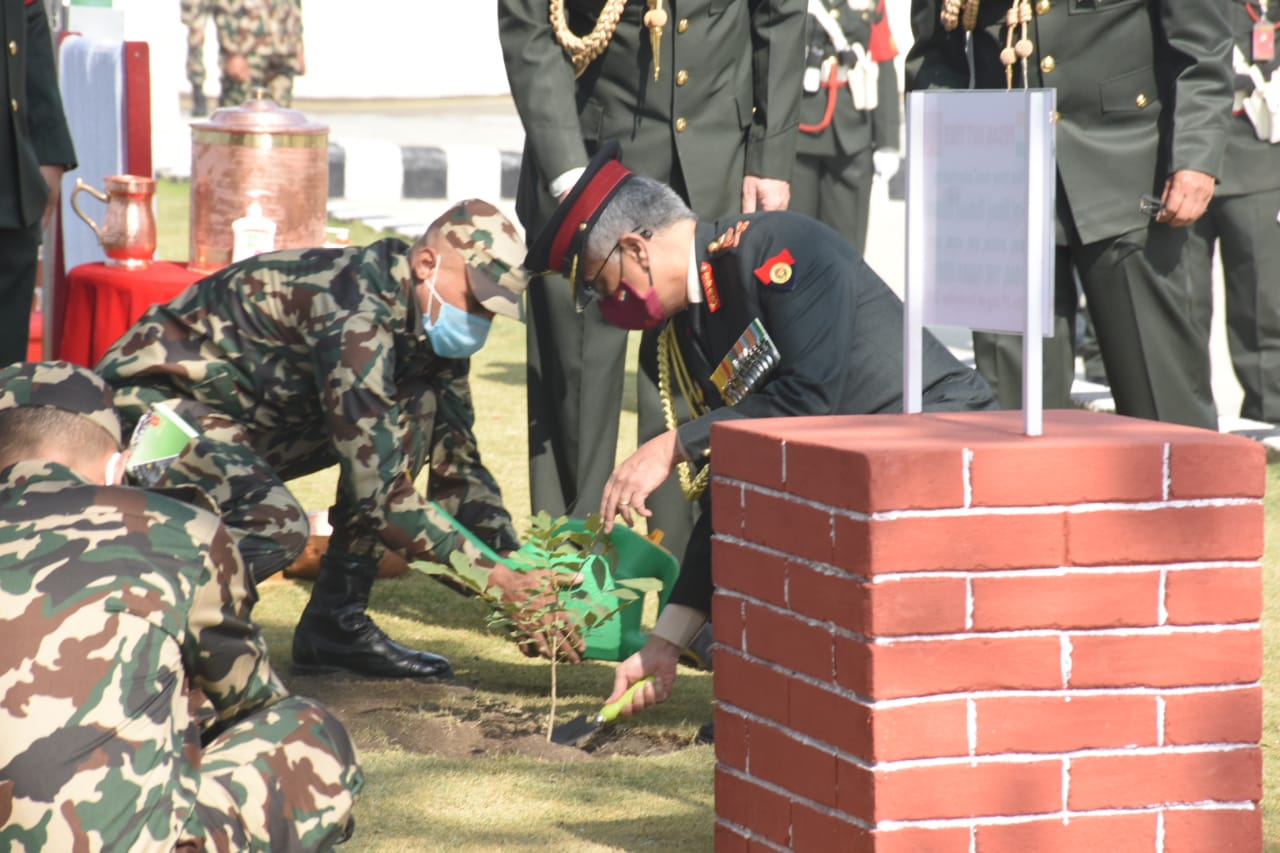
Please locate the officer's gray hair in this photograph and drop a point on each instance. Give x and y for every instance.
(640, 204)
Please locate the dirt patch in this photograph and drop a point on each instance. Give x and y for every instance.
(453, 721)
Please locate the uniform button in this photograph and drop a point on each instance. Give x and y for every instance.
(13, 48)
(13, 104)
(681, 124)
(1043, 7)
(683, 25)
(835, 14)
(1053, 117)
(1141, 100)
(1048, 64)
(682, 77)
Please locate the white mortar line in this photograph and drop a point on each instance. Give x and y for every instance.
(751, 836)
(971, 725)
(1162, 608)
(1160, 709)
(992, 758)
(953, 512)
(966, 473)
(1063, 692)
(968, 603)
(1166, 470)
(1160, 832)
(784, 460)
(1064, 659)
(1013, 820)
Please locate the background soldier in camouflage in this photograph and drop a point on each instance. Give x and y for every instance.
(298, 360)
(126, 644)
(195, 17)
(260, 47)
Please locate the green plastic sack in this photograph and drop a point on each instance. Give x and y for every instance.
(621, 635)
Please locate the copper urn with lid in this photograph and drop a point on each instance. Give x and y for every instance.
(258, 152)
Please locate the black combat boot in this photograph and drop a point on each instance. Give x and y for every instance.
(199, 104)
(334, 633)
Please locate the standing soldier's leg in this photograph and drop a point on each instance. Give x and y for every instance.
(845, 196)
(1139, 294)
(1250, 239)
(284, 779)
(577, 365)
(195, 17)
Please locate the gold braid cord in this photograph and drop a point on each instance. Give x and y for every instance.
(584, 49)
(669, 357)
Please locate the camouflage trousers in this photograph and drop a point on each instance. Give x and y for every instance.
(273, 76)
(282, 779)
(244, 470)
(195, 16)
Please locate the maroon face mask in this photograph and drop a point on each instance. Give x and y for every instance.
(627, 309)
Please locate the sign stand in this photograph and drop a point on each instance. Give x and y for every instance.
(981, 178)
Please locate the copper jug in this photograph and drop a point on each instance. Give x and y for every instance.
(128, 232)
(258, 151)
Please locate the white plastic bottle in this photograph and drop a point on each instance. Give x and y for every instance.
(254, 232)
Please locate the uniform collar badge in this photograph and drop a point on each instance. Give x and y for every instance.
(708, 279)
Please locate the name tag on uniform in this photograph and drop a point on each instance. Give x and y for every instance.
(1264, 41)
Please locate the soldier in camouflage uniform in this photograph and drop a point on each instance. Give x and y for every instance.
(298, 360)
(138, 709)
(260, 47)
(195, 17)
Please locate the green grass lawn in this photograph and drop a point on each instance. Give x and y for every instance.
(661, 801)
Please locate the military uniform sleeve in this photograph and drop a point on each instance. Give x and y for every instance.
(459, 481)
(935, 61)
(225, 649)
(777, 69)
(1199, 42)
(46, 120)
(887, 117)
(356, 371)
(542, 85)
(239, 26)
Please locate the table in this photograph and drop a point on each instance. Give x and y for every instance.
(104, 301)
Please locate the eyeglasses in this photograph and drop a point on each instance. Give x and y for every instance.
(589, 290)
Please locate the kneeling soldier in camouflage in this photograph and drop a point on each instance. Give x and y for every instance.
(138, 710)
(295, 361)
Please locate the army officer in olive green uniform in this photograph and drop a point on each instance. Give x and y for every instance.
(702, 94)
(1143, 101)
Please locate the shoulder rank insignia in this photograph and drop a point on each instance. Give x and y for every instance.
(708, 278)
(776, 272)
(729, 239)
(749, 361)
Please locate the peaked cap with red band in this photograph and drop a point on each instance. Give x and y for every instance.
(558, 246)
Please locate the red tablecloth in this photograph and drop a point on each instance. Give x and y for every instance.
(103, 302)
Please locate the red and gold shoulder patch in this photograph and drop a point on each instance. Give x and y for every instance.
(777, 271)
(708, 278)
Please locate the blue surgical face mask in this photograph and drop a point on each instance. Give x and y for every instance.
(455, 333)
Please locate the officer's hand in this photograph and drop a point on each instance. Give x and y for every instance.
(544, 631)
(236, 67)
(1187, 194)
(764, 194)
(634, 480)
(886, 162)
(657, 658)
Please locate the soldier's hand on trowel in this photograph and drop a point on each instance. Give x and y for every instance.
(544, 632)
(632, 482)
(658, 658)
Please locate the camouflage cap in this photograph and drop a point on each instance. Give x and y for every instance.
(492, 249)
(59, 385)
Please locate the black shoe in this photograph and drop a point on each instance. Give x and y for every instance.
(698, 654)
(199, 104)
(334, 634)
(706, 733)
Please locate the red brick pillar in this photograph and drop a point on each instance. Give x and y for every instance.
(938, 635)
